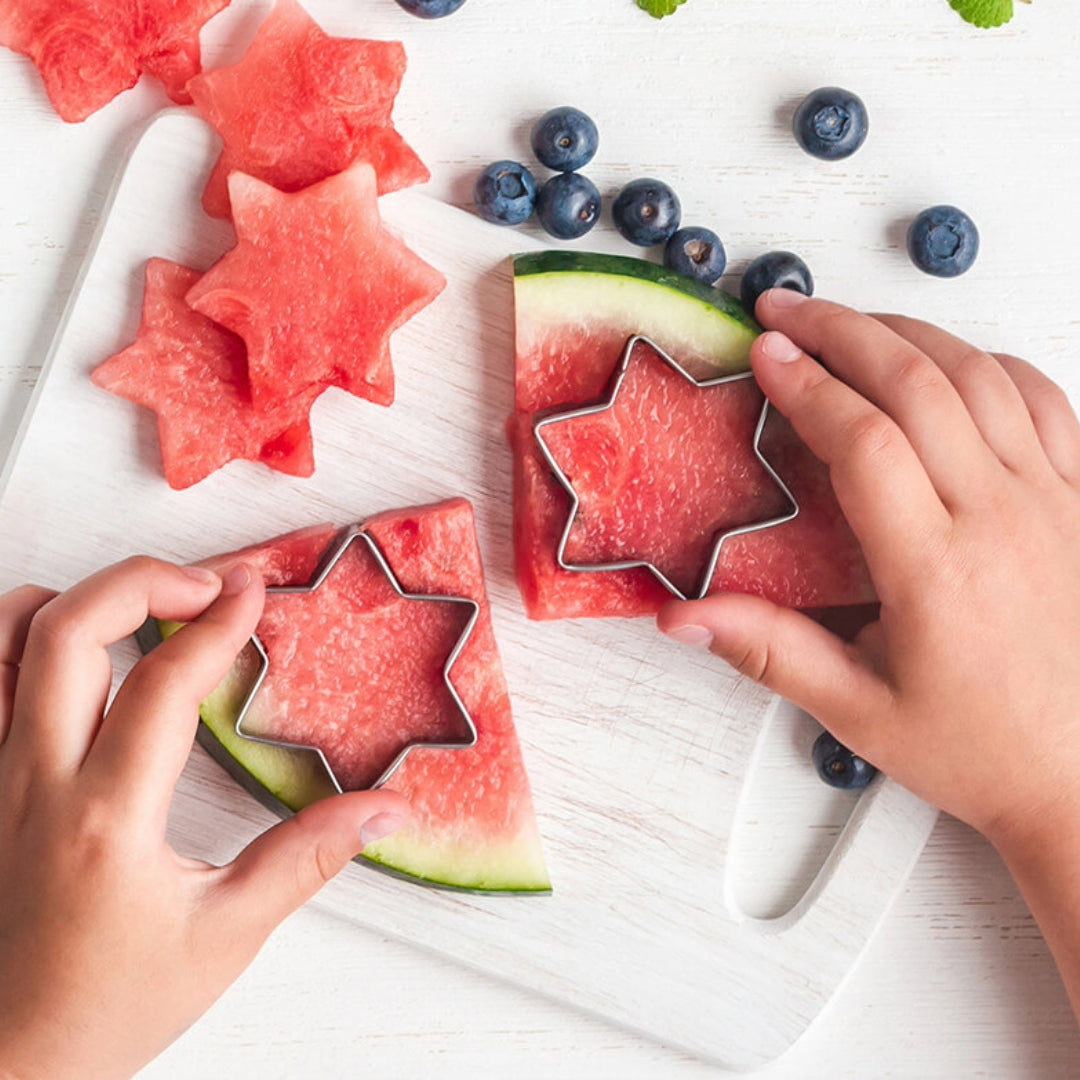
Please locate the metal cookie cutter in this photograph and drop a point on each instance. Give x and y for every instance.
(350, 536)
(575, 502)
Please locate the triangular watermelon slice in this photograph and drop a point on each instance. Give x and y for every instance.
(88, 51)
(315, 286)
(193, 374)
(574, 315)
(346, 659)
(302, 105)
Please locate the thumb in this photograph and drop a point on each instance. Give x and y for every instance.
(288, 864)
(783, 650)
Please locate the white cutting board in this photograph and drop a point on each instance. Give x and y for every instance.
(638, 749)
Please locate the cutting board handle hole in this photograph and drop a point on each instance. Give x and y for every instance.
(786, 820)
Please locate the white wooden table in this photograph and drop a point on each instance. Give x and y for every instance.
(958, 983)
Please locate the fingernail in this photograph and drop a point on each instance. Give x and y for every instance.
(779, 347)
(690, 634)
(785, 298)
(236, 580)
(375, 828)
(200, 574)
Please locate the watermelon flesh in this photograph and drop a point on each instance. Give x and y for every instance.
(574, 316)
(193, 374)
(621, 461)
(373, 708)
(315, 286)
(88, 51)
(301, 106)
(357, 671)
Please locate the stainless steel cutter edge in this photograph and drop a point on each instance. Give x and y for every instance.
(564, 481)
(347, 538)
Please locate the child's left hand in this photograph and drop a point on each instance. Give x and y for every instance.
(111, 944)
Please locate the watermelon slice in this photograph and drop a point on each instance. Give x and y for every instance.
(88, 51)
(315, 286)
(302, 105)
(574, 315)
(356, 650)
(193, 374)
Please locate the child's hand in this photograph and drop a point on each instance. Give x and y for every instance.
(960, 474)
(111, 944)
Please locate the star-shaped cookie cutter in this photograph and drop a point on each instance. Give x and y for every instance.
(619, 374)
(354, 534)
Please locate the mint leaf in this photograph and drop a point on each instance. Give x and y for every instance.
(984, 13)
(659, 8)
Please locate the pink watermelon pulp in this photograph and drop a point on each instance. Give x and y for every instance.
(193, 374)
(88, 51)
(315, 286)
(301, 106)
(357, 671)
(656, 486)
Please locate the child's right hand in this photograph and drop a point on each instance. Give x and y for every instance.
(960, 473)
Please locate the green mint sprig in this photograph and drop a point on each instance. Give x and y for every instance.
(985, 13)
(659, 8)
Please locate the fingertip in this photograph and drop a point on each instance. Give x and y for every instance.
(778, 299)
(776, 347)
(201, 575)
(383, 823)
(236, 579)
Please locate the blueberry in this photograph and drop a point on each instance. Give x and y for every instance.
(646, 212)
(838, 766)
(697, 252)
(431, 9)
(943, 241)
(568, 205)
(775, 270)
(504, 193)
(831, 123)
(564, 139)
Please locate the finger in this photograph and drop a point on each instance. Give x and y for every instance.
(145, 738)
(290, 863)
(65, 674)
(1055, 421)
(17, 608)
(895, 376)
(784, 651)
(880, 484)
(991, 397)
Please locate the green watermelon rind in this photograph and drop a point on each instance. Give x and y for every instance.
(289, 780)
(625, 266)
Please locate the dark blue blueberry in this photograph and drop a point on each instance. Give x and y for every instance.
(697, 252)
(565, 139)
(646, 212)
(943, 241)
(831, 123)
(568, 205)
(838, 766)
(431, 9)
(505, 193)
(775, 270)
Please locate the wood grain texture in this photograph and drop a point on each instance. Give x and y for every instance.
(957, 984)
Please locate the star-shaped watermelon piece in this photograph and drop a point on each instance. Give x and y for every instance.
(88, 51)
(374, 688)
(193, 374)
(619, 458)
(302, 105)
(315, 286)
